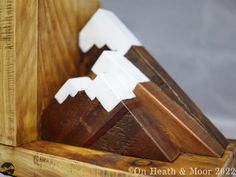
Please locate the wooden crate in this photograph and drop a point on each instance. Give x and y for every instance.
(39, 52)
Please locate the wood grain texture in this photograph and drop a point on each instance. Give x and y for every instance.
(51, 159)
(7, 70)
(78, 120)
(82, 122)
(18, 71)
(209, 140)
(38, 51)
(183, 130)
(140, 57)
(137, 135)
(33, 163)
(59, 58)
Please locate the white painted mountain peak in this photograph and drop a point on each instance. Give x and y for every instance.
(110, 89)
(111, 61)
(116, 79)
(72, 87)
(105, 28)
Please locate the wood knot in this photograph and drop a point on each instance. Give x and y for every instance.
(141, 163)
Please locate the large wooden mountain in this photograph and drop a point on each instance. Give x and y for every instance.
(157, 120)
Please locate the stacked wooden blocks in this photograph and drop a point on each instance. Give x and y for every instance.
(124, 113)
(132, 106)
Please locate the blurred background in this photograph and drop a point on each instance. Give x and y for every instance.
(195, 41)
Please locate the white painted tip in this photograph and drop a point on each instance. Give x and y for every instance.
(116, 79)
(105, 28)
(111, 61)
(72, 87)
(110, 90)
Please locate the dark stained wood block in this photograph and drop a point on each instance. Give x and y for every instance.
(128, 129)
(88, 59)
(158, 124)
(141, 58)
(182, 129)
(77, 120)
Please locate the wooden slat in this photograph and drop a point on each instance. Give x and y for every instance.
(183, 130)
(59, 59)
(18, 71)
(51, 159)
(39, 52)
(30, 163)
(140, 57)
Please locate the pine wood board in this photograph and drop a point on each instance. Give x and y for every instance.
(38, 51)
(59, 57)
(18, 67)
(51, 159)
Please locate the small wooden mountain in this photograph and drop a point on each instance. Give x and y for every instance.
(128, 129)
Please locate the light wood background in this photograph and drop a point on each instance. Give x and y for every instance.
(38, 51)
(51, 159)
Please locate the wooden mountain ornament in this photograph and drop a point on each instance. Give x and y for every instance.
(119, 111)
(141, 58)
(119, 63)
(85, 123)
(131, 102)
(105, 115)
(124, 111)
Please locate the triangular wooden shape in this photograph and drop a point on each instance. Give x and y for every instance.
(152, 69)
(183, 130)
(141, 58)
(127, 130)
(122, 40)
